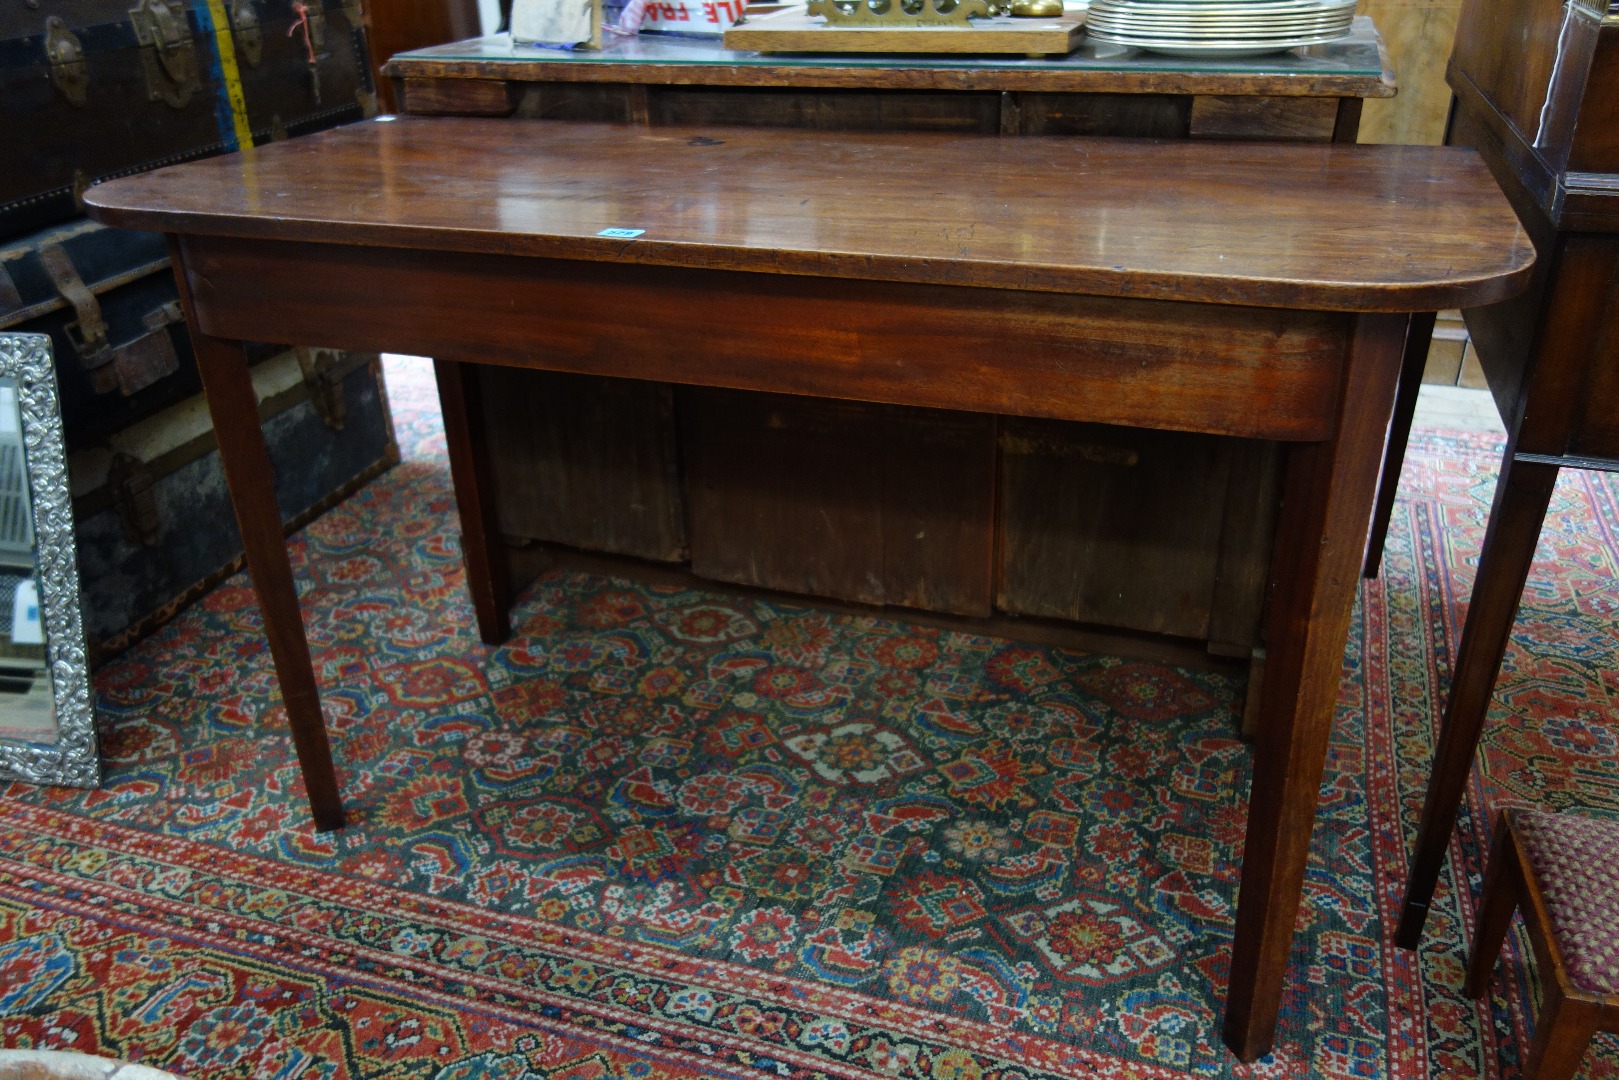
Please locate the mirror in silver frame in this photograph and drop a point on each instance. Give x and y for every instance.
(47, 728)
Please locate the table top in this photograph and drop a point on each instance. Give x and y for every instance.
(1319, 226)
(1357, 66)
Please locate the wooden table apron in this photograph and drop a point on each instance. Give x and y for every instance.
(301, 242)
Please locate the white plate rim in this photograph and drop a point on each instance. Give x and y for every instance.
(1232, 47)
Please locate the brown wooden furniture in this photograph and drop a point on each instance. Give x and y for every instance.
(1162, 545)
(1235, 290)
(1535, 89)
(1560, 871)
(396, 26)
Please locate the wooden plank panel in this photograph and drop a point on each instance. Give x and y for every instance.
(457, 97)
(870, 503)
(1291, 118)
(1513, 70)
(1247, 529)
(1596, 134)
(1107, 526)
(1151, 116)
(827, 110)
(1130, 362)
(609, 103)
(585, 461)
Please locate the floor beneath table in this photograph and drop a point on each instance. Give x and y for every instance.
(1457, 408)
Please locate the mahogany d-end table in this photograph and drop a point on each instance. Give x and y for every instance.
(1237, 289)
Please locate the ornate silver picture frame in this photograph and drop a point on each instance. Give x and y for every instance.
(44, 673)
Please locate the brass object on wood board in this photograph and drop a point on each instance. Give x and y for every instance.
(899, 13)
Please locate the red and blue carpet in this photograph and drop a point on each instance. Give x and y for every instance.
(666, 832)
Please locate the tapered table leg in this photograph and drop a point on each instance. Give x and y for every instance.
(475, 498)
(233, 405)
(1327, 501)
(1521, 497)
(234, 408)
(1417, 339)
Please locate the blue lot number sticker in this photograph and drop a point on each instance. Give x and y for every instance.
(621, 234)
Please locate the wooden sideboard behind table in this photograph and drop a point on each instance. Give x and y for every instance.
(1536, 89)
(947, 511)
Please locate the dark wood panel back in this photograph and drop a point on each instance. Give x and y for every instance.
(1134, 539)
(1596, 435)
(827, 110)
(396, 26)
(870, 503)
(1509, 49)
(1596, 135)
(583, 461)
(1290, 118)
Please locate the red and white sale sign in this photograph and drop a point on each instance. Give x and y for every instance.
(692, 16)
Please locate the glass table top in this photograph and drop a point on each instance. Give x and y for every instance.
(1357, 56)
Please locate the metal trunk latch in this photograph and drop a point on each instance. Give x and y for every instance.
(127, 368)
(249, 35)
(69, 72)
(88, 332)
(151, 356)
(168, 53)
(134, 492)
(325, 382)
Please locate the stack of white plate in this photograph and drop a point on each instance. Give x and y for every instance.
(1219, 27)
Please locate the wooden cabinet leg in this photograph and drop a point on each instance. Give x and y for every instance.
(1521, 497)
(475, 498)
(1346, 129)
(1315, 571)
(1417, 339)
(234, 407)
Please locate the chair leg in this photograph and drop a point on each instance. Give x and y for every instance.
(1563, 1031)
(1499, 901)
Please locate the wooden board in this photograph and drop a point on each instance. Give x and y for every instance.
(584, 461)
(871, 503)
(794, 30)
(1134, 539)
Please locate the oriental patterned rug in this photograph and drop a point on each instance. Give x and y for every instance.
(667, 832)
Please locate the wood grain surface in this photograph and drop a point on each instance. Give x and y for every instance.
(1386, 228)
(1354, 68)
(1225, 370)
